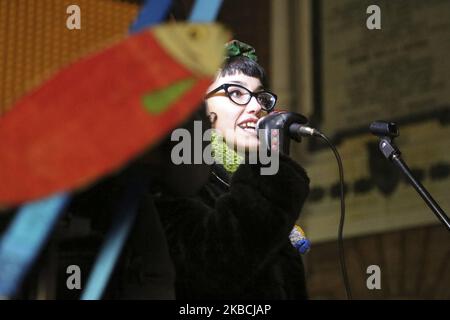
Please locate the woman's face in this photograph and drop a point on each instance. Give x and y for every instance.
(236, 123)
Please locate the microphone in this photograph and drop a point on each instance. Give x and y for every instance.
(290, 125)
(384, 129)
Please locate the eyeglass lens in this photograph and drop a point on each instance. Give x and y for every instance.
(242, 96)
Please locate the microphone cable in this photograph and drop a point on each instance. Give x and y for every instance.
(295, 127)
(342, 218)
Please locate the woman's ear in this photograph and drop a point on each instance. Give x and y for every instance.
(212, 117)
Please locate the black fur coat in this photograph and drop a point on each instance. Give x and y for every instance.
(228, 242)
(232, 240)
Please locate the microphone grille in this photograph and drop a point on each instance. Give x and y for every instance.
(384, 129)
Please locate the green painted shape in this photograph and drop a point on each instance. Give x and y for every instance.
(159, 100)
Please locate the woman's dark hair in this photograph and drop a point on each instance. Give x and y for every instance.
(245, 65)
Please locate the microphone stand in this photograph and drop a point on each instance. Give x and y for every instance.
(392, 153)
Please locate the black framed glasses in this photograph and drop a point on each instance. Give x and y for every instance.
(242, 96)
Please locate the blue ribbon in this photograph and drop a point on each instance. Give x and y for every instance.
(152, 12)
(205, 10)
(115, 239)
(21, 244)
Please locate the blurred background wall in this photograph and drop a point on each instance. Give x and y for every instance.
(323, 62)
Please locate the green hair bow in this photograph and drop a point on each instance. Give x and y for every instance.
(236, 48)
